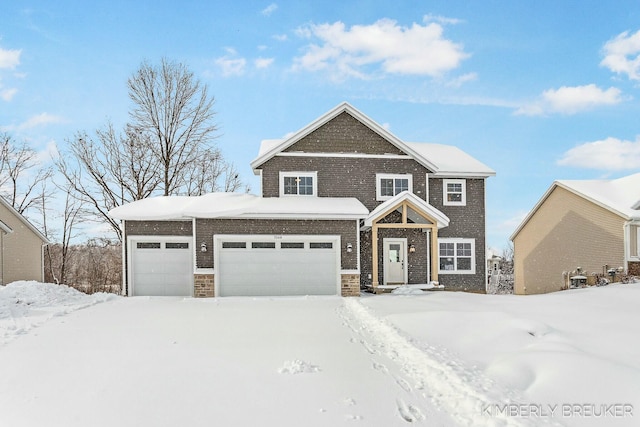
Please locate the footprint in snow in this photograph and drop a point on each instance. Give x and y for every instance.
(409, 413)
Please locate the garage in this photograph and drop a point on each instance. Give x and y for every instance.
(161, 266)
(277, 265)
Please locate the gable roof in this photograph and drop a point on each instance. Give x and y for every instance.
(615, 195)
(441, 159)
(238, 205)
(24, 220)
(441, 219)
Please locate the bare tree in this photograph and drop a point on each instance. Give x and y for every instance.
(113, 170)
(21, 175)
(209, 173)
(174, 110)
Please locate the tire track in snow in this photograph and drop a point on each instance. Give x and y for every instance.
(459, 392)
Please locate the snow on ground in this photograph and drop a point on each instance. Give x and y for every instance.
(435, 358)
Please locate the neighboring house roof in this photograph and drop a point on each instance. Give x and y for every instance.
(441, 219)
(5, 228)
(237, 205)
(636, 206)
(443, 160)
(615, 195)
(24, 220)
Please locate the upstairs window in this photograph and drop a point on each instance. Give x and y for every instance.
(388, 185)
(455, 192)
(298, 183)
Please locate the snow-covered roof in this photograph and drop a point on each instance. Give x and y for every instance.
(616, 195)
(443, 160)
(237, 205)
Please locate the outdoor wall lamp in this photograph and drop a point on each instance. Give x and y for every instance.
(412, 248)
(203, 247)
(349, 248)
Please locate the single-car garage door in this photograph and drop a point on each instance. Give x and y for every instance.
(161, 266)
(277, 265)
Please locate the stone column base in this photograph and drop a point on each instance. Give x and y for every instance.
(203, 286)
(350, 285)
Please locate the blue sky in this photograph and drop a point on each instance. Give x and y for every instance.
(538, 90)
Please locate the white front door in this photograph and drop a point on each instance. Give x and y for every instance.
(395, 266)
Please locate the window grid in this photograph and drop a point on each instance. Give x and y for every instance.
(456, 257)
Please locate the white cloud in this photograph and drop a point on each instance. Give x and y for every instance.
(231, 66)
(607, 154)
(267, 11)
(263, 62)
(622, 55)
(395, 49)
(40, 120)
(441, 19)
(280, 37)
(7, 94)
(571, 100)
(460, 80)
(9, 59)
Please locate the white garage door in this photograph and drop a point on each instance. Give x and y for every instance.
(268, 265)
(161, 266)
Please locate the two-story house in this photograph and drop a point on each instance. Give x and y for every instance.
(345, 205)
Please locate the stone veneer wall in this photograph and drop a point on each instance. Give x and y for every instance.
(350, 285)
(203, 286)
(634, 268)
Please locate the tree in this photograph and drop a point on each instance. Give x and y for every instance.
(21, 175)
(167, 148)
(175, 112)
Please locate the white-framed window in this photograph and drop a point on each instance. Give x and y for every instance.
(454, 192)
(388, 185)
(457, 256)
(298, 183)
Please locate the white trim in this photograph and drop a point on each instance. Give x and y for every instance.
(441, 219)
(358, 244)
(349, 272)
(429, 260)
(445, 200)
(394, 176)
(125, 274)
(343, 155)
(457, 240)
(426, 187)
(218, 238)
(337, 216)
(284, 174)
(204, 271)
(161, 238)
(385, 255)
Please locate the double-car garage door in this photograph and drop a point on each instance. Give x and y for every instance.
(277, 265)
(246, 265)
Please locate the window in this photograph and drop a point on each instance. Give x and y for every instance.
(234, 245)
(292, 245)
(298, 183)
(263, 245)
(179, 245)
(457, 256)
(148, 245)
(388, 185)
(455, 192)
(320, 245)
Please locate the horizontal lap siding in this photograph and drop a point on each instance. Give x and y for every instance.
(207, 228)
(565, 232)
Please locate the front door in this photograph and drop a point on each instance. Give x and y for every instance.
(395, 268)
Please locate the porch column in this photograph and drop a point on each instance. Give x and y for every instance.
(374, 256)
(435, 265)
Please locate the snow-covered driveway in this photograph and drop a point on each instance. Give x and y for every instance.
(190, 362)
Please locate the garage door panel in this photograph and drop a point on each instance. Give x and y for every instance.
(287, 268)
(162, 267)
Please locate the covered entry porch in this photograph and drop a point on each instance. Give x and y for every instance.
(400, 242)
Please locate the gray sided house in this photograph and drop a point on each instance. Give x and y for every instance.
(345, 205)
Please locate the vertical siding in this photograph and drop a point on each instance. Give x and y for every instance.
(565, 232)
(22, 253)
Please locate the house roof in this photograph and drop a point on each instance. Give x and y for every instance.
(24, 220)
(237, 205)
(616, 195)
(441, 159)
(441, 219)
